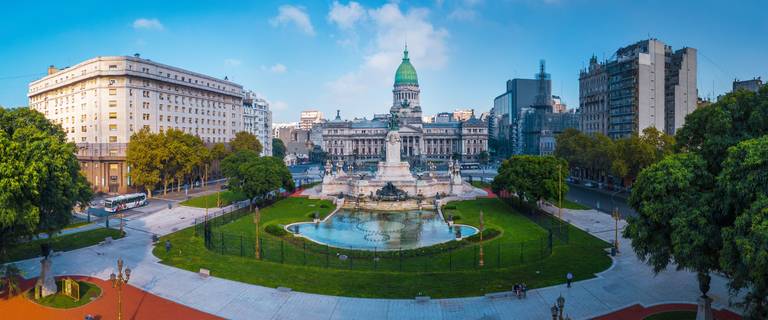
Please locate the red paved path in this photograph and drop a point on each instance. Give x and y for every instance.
(638, 312)
(137, 304)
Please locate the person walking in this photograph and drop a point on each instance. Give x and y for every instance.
(569, 279)
(167, 246)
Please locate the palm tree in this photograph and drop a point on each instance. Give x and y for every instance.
(9, 278)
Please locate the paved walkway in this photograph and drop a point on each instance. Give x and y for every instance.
(137, 305)
(628, 282)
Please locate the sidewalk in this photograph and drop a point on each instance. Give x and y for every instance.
(626, 283)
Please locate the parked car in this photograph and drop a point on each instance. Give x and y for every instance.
(589, 184)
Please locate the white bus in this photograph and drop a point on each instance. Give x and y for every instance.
(124, 202)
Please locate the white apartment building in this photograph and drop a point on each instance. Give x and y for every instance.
(257, 119)
(309, 118)
(102, 101)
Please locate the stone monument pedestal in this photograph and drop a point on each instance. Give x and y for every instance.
(704, 309)
(46, 282)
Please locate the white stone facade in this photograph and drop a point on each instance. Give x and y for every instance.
(257, 119)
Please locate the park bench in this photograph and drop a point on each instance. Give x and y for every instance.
(422, 299)
(284, 289)
(205, 273)
(499, 295)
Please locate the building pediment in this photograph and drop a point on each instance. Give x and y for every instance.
(409, 129)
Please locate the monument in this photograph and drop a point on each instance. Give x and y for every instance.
(46, 284)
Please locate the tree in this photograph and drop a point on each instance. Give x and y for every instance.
(631, 155)
(674, 222)
(532, 178)
(255, 176)
(316, 155)
(743, 184)
(40, 180)
(245, 141)
(142, 157)
(9, 280)
(278, 148)
(483, 157)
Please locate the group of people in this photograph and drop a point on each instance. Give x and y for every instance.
(520, 290)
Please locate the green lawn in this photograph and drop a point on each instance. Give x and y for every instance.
(226, 197)
(583, 256)
(568, 204)
(67, 242)
(673, 315)
(76, 224)
(88, 291)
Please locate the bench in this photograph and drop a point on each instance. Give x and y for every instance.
(205, 273)
(422, 299)
(284, 289)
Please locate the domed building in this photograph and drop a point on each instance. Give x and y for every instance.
(362, 141)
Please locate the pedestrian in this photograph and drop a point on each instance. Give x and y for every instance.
(167, 246)
(569, 279)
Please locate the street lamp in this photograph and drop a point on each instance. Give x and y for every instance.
(482, 226)
(256, 217)
(554, 312)
(117, 282)
(616, 217)
(561, 305)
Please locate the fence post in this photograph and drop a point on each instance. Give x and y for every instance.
(522, 247)
(282, 251)
(474, 258)
(221, 236)
(375, 261)
(261, 248)
(498, 254)
(401, 259)
(450, 259)
(326, 256)
(305, 253)
(241, 245)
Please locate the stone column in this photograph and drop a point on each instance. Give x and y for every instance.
(704, 309)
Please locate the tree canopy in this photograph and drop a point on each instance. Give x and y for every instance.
(40, 180)
(245, 141)
(532, 178)
(256, 176)
(705, 208)
(278, 148)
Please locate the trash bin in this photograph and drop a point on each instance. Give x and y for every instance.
(613, 251)
(170, 205)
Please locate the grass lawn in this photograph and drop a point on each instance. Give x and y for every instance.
(226, 197)
(568, 204)
(583, 256)
(67, 242)
(76, 224)
(88, 291)
(673, 315)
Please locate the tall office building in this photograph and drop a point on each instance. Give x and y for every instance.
(308, 118)
(648, 85)
(257, 119)
(102, 101)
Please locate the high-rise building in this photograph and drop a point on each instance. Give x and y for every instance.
(753, 85)
(463, 114)
(257, 119)
(507, 113)
(102, 101)
(593, 98)
(558, 106)
(648, 85)
(309, 118)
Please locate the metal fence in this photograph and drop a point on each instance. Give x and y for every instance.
(466, 254)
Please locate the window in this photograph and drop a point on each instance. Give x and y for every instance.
(112, 67)
(112, 127)
(84, 129)
(145, 116)
(112, 103)
(112, 138)
(112, 92)
(113, 115)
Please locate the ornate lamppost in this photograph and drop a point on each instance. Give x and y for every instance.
(117, 282)
(616, 217)
(482, 227)
(553, 310)
(256, 216)
(561, 305)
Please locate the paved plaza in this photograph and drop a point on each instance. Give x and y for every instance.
(626, 283)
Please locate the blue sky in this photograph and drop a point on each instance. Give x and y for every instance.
(330, 55)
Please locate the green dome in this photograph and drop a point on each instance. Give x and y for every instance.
(406, 73)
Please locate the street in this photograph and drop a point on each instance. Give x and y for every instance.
(599, 199)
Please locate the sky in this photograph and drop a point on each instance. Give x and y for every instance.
(342, 55)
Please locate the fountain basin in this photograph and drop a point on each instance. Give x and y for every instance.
(381, 230)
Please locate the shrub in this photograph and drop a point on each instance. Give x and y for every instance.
(275, 230)
(488, 233)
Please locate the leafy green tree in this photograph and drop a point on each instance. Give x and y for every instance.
(245, 141)
(674, 223)
(142, 157)
(532, 178)
(278, 148)
(256, 176)
(483, 157)
(9, 280)
(743, 194)
(631, 155)
(40, 180)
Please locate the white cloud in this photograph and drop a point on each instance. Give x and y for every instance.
(278, 105)
(278, 68)
(346, 16)
(288, 14)
(373, 78)
(232, 62)
(147, 24)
